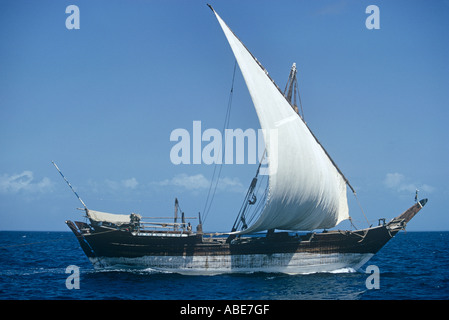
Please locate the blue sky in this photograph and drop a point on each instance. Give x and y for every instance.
(102, 101)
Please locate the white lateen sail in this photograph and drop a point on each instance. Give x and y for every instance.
(306, 190)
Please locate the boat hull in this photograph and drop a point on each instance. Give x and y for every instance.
(198, 253)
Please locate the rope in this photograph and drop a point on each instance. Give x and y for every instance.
(299, 97)
(252, 191)
(360, 206)
(257, 210)
(254, 210)
(208, 203)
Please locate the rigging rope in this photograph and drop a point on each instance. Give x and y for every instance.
(253, 211)
(299, 97)
(208, 203)
(250, 199)
(262, 199)
(360, 206)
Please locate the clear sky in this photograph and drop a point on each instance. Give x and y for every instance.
(102, 101)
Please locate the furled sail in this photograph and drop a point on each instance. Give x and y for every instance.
(306, 190)
(117, 219)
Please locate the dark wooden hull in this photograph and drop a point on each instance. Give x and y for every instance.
(204, 253)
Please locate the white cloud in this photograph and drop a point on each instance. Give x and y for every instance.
(200, 182)
(24, 182)
(398, 182)
(393, 180)
(231, 183)
(130, 183)
(113, 185)
(194, 182)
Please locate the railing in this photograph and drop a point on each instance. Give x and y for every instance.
(173, 226)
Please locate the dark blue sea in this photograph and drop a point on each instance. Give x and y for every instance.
(412, 266)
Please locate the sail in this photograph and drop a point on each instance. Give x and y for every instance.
(306, 190)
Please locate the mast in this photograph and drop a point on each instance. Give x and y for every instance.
(175, 220)
(291, 85)
(290, 95)
(293, 92)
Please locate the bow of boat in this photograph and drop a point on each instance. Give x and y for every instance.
(400, 222)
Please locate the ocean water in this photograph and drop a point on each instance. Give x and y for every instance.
(412, 266)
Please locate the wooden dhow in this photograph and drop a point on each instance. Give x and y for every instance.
(306, 191)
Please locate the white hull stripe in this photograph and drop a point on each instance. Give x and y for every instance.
(297, 263)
